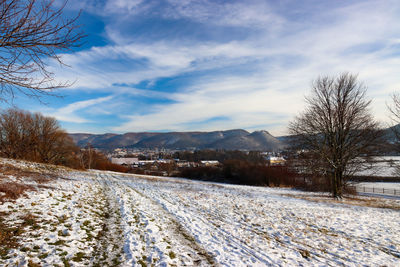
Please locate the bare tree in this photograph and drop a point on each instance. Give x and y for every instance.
(394, 109)
(16, 134)
(337, 128)
(51, 143)
(394, 133)
(31, 32)
(34, 137)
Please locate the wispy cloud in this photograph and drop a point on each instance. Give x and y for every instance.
(68, 113)
(248, 63)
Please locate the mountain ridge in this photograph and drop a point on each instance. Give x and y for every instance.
(236, 139)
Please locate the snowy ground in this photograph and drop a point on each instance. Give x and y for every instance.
(108, 219)
(385, 185)
(384, 166)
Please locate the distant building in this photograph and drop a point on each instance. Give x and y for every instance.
(209, 162)
(186, 164)
(125, 161)
(273, 160)
(120, 152)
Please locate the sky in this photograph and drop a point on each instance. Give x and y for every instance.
(181, 65)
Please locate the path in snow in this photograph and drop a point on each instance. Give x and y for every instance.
(108, 219)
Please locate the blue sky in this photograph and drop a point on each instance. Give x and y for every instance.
(181, 65)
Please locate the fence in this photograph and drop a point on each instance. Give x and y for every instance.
(378, 190)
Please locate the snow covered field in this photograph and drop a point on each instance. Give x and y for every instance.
(385, 185)
(385, 166)
(106, 219)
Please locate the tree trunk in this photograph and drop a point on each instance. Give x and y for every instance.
(334, 186)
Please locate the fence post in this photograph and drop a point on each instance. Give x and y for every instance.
(383, 190)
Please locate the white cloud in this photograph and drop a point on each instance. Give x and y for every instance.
(243, 14)
(68, 113)
(246, 102)
(278, 57)
(123, 5)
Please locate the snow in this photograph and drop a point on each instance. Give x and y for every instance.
(385, 166)
(385, 185)
(85, 218)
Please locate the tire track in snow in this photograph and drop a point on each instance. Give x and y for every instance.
(196, 220)
(152, 236)
(108, 251)
(237, 236)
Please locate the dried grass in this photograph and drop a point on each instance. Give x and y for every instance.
(372, 202)
(13, 190)
(37, 176)
(9, 234)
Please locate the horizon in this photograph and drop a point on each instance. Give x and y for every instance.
(178, 132)
(179, 66)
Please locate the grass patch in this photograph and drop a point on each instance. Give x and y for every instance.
(33, 264)
(40, 176)
(63, 232)
(363, 201)
(43, 256)
(63, 254)
(13, 190)
(79, 257)
(304, 253)
(62, 219)
(142, 262)
(58, 243)
(9, 234)
(172, 255)
(25, 249)
(65, 262)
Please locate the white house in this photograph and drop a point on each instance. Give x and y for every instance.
(125, 161)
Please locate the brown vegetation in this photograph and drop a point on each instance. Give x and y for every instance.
(34, 137)
(13, 190)
(10, 190)
(9, 234)
(92, 159)
(243, 172)
(350, 199)
(37, 138)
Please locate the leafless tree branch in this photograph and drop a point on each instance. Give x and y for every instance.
(31, 32)
(336, 128)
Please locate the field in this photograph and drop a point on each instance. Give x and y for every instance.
(108, 219)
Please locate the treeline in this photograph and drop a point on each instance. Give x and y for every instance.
(220, 155)
(245, 173)
(34, 137)
(237, 167)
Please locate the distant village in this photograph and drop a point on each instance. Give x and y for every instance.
(167, 162)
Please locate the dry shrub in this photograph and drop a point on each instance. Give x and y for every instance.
(350, 190)
(13, 190)
(92, 159)
(242, 172)
(36, 138)
(39, 177)
(108, 166)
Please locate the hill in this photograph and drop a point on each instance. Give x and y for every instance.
(59, 217)
(230, 140)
